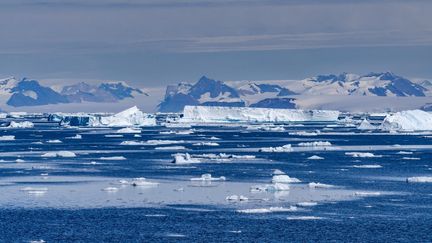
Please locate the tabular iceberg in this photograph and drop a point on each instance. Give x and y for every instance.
(411, 120)
(247, 114)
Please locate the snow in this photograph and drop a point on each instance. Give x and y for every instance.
(59, 154)
(361, 154)
(315, 157)
(184, 159)
(410, 120)
(284, 179)
(24, 124)
(315, 144)
(420, 179)
(247, 114)
(130, 117)
(285, 148)
(7, 138)
(208, 177)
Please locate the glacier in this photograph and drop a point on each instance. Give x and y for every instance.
(246, 114)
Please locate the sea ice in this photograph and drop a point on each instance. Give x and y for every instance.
(24, 124)
(59, 154)
(7, 138)
(184, 159)
(315, 144)
(315, 157)
(420, 179)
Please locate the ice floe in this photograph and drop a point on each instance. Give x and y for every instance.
(54, 141)
(284, 179)
(206, 144)
(304, 218)
(269, 210)
(315, 144)
(186, 158)
(419, 179)
(113, 158)
(59, 154)
(7, 138)
(367, 166)
(236, 198)
(361, 154)
(314, 185)
(78, 136)
(281, 149)
(315, 157)
(130, 117)
(366, 125)
(141, 181)
(129, 130)
(24, 124)
(208, 177)
(171, 148)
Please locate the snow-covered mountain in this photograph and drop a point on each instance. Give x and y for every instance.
(285, 93)
(27, 92)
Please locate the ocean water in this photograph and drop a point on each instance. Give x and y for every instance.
(82, 198)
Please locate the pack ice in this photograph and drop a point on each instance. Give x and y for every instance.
(247, 114)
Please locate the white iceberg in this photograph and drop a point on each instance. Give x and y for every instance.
(314, 185)
(315, 157)
(361, 154)
(130, 117)
(68, 154)
(284, 179)
(129, 130)
(186, 158)
(366, 125)
(208, 177)
(410, 120)
(420, 179)
(7, 138)
(24, 124)
(247, 114)
(54, 141)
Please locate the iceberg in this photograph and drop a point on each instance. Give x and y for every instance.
(284, 179)
(208, 177)
(410, 120)
(247, 114)
(361, 154)
(130, 117)
(315, 157)
(315, 144)
(184, 159)
(281, 149)
(269, 210)
(24, 124)
(67, 154)
(366, 125)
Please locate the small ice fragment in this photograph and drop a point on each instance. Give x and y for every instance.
(315, 157)
(307, 204)
(184, 159)
(284, 179)
(129, 130)
(236, 198)
(110, 189)
(361, 154)
(113, 158)
(314, 185)
(315, 144)
(367, 166)
(7, 138)
(419, 179)
(208, 177)
(54, 141)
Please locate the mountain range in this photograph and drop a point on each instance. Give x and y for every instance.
(283, 93)
(27, 92)
(335, 89)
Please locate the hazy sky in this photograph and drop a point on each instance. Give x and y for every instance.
(155, 42)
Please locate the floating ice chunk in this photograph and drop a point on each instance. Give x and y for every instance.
(19, 160)
(137, 136)
(236, 198)
(77, 136)
(410, 158)
(366, 125)
(206, 144)
(129, 130)
(143, 182)
(367, 166)
(269, 210)
(315, 144)
(404, 152)
(304, 218)
(419, 179)
(307, 204)
(208, 177)
(110, 189)
(361, 154)
(248, 114)
(304, 133)
(171, 148)
(284, 179)
(37, 142)
(184, 159)
(133, 143)
(367, 194)
(130, 117)
(314, 185)
(410, 120)
(54, 141)
(37, 241)
(315, 157)
(214, 138)
(59, 154)
(278, 172)
(24, 124)
(7, 138)
(275, 187)
(113, 135)
(285, 148)
(113, 158)
(163, 142)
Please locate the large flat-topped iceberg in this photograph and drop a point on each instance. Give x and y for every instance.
(247, 114)
(411, 120)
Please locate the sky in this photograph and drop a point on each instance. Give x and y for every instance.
(158, 42)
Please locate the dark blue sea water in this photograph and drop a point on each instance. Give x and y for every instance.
(76, 209)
